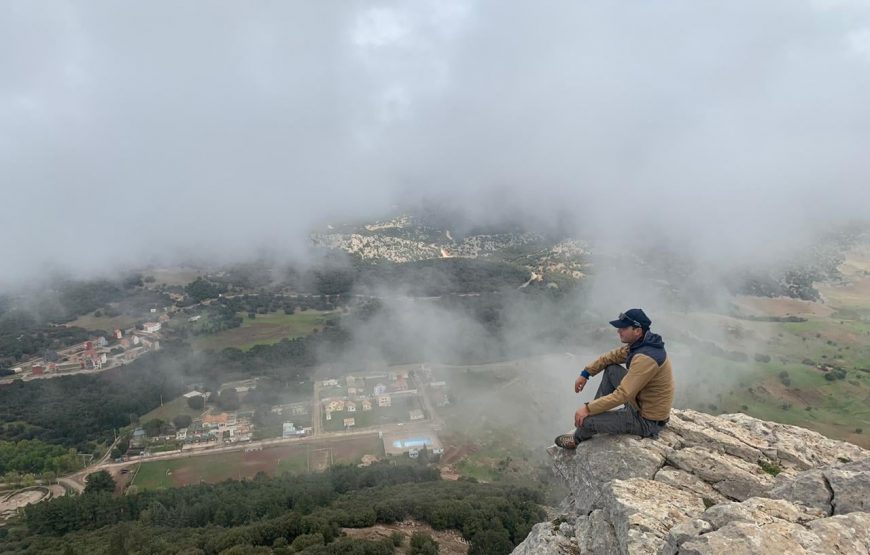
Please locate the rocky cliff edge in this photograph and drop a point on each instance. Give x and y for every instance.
(710, 484)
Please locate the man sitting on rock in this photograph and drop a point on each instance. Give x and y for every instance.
(645, 385)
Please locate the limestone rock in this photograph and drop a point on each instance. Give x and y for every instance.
(683, 480)
(642, 512)
(767, 526)
(546, 539)
(731, 476)
(595, 534)
(850, 486)
(705, 485)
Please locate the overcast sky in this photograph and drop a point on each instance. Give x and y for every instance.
(130, 130)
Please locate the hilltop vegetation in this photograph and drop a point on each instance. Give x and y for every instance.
(289, 514)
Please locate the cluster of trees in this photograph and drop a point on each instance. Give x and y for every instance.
(82, 411)
(264, 303)
(424, 278)
(299, 513)
(21, 338)
(28, 326)
(35, 457)
(201, 289)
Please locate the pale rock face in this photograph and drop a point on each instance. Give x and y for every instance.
(706, 485)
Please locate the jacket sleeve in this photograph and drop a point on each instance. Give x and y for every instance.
(616, 356)
(643, 368)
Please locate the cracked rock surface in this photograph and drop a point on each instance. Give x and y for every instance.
(710, 484)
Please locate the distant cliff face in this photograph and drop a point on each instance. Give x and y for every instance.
(728, 484)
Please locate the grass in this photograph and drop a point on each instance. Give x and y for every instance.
(265, 329)
(170, 410)
(805, 398)
(104, 323)
(378, 415)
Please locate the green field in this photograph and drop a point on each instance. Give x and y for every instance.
(104, 323)
(170, 410)
(265, 329)
(376, 416)
(297, 457)
(791, 389)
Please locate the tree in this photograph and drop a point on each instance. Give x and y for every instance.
(423, 544)
(100, 481)
(490, 541)
(153, 427)
(228, 399)
(196, 402)
(182, 421)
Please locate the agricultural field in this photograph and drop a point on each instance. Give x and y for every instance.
(238, 465)
(265, 329)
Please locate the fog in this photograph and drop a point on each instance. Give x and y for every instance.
(166, 133)
(159, 131)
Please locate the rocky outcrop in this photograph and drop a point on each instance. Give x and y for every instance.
(710, 484)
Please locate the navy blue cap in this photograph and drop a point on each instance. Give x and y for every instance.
(632, 317)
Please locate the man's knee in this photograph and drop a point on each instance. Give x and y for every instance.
(615, 371)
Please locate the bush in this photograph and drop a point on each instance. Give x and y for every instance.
(306, 540)
(423, 544)
(182, 421)
(196, 402)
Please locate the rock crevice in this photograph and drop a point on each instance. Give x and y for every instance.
(710, 484)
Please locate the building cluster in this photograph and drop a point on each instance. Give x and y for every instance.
(289, 430)
(356, 394)
(97, 353)
(232, 427)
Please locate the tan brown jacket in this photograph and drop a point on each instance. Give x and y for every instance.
(649, 384)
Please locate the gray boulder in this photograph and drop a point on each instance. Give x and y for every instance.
(711, 484)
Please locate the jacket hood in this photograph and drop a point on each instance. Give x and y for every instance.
(649, 339)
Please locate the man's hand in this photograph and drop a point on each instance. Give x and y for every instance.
(579, 384)
(580, 416)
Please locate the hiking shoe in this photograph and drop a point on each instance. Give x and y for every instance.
(566, 441)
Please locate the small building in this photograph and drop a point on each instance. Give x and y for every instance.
(366, 404)
(384, 401)
(289, 430)
(118, 334)
(151, 327)
(181, 434)
(349, 422)
(102, 341)
(193, 393)
(415, 414)
(194, 318)
(329, 383)
(37, 370)
(350, 406)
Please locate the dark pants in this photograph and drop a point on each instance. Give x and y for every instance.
(623, 421)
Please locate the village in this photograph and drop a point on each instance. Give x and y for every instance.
(391, 399)
(398, 405)
(94, 355)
